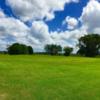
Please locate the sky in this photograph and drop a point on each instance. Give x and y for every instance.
(40, 22)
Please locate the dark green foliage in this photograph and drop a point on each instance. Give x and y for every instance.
(67, 51)
(30, 50)
(53, 49)
(17, 48)
(89, 45)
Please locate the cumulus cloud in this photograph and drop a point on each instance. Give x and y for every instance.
(91, 16)
(15, 30)
(37, 35)
(72, 23)
(40, 31)
(37, 9)
(12, 30)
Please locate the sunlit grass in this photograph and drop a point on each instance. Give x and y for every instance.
(40, 77)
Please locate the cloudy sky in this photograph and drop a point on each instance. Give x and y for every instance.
(41, 22)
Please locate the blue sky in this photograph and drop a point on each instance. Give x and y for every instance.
(38, 23)
(72, 9)
(5, 8)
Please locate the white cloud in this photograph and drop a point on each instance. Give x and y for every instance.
(40, 31)
(37, 36)
(37, 9)
(14, 30)
(12, 26)
(72, 23)
(91, 16)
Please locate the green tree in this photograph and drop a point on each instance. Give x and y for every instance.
(17, 48)
(89, 45)
(53, 49)
(30, 50)
(67, 51)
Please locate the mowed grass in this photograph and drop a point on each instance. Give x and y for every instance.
(41, 77)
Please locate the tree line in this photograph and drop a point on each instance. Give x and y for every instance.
(89, 45)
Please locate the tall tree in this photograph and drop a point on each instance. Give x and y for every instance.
(89, 45)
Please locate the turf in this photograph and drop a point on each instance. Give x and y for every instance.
(40, 77)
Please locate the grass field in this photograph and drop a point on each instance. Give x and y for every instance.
(49, 78)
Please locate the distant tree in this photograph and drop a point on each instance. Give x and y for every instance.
(53, 49)
(89, 45)
(17, 48)
(67, 51)
(48, 48)
(30, 50)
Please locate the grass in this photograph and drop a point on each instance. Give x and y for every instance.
(40, 77)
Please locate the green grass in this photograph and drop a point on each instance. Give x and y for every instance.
(41, 77)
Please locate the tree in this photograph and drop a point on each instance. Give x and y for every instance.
(17, 48)
(30, 50)
(67, 51)
(89, 45)
(53, 49)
